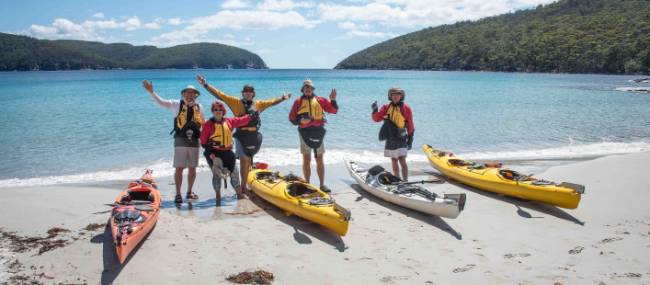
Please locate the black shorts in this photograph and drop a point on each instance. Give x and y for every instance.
(227, 156)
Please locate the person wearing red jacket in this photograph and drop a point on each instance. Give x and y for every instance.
(217, 140)
(397, 130)
(308, 113)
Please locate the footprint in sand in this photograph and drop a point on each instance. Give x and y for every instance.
(513, 255)
(627, 275)
(608, 240)
(576, 250)
(464, 268)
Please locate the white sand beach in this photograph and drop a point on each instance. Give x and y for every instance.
(495, 240)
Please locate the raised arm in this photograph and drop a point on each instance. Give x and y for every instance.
(261, 105)
(229, 100)
(378, 116)
(161, 102)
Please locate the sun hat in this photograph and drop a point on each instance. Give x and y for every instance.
(191, 87)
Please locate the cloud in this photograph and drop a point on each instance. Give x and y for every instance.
(63, 28)
(283, 5)
(234, 4)
(353, 26)
(98, 15)
(236, 20)
(366, 34)
(175, 21)
(419, 13)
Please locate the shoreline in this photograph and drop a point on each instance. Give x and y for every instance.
(101, 178)
(496, 239)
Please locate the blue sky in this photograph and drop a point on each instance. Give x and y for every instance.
(285, 33)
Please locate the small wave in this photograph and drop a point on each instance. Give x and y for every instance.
(634, 89)
(281, 157)
(565, 152)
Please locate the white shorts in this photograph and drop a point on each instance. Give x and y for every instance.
(186, 156)
(395, 153)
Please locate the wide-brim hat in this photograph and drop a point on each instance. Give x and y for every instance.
(309, 83)
(397, 90)
(191, 87)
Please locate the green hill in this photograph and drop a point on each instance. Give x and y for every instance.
(26, 53)
(572, 36)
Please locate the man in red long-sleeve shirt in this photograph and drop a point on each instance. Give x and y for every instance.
(308, 113)
(397, 130)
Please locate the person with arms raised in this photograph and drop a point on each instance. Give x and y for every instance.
(248, 139)
(188, 118)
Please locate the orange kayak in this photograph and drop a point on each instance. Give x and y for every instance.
(134, 214)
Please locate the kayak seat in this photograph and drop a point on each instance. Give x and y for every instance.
(300, 190)
(388, 178)
(141, 196)
(375, 170)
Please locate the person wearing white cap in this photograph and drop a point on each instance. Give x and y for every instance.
(188, 118)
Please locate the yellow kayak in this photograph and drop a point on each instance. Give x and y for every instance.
(298, 198)
(495, 179)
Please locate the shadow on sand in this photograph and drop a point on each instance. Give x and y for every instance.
(303, 229)
(112, 266)
(429, 219)
(518, 203)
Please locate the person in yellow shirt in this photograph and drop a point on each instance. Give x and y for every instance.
(248, 139)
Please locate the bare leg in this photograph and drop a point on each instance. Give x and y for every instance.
(178, 179)
(244, 168)
(191, 176)
(393, 162)
(405, 168)
(306, 167)
(320, 168)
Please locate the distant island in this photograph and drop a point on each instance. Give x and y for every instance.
(26, 53)
(568, 36)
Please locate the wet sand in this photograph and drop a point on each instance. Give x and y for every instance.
(495, 240)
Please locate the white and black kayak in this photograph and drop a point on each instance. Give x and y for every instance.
(391, 188)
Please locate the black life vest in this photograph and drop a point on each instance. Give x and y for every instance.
(250, 109)
(390, 130)
(188, 122)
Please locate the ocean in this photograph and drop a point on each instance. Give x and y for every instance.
(92, 126)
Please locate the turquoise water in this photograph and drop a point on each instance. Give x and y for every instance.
(76, 126)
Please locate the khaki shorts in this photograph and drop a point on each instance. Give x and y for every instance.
(186, 156)
(305, 149)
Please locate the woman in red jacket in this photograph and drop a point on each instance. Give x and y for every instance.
(397, 129)
(216, 139)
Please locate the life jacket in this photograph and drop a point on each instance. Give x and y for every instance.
(394, 127)
(249, 108)
(188, 119)
(221, 138)
(394, 113)
(310, 108)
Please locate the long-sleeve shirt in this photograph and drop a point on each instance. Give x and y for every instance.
(237, 106)
(327, 106)
(172, 105)
(404, 113)
(234, 122)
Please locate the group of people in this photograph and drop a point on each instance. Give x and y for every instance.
(219, 133)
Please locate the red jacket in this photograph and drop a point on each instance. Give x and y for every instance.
(406, 112)
(233, 123)
(324, 103)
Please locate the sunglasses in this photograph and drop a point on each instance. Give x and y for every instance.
(217, 110)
